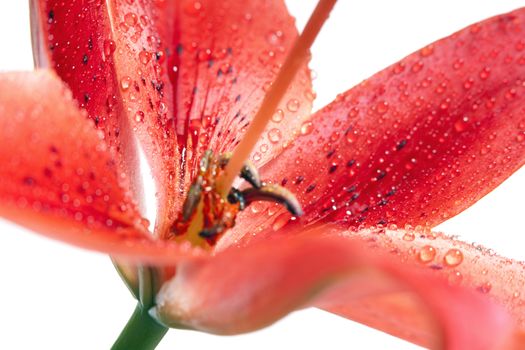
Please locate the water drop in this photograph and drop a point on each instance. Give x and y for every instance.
(455, 277)
(109, 47)
(275, 37)
(461, 124)
(293, 105)
(484, 288)
(130, 19)
(274, 135)
(382, 107)
(409, 236)
(280, 221)
(427, 254)
(144, 57)
(453, 257)
(278, 116)
(125, 83)
(306, 128)
(139, 116)
(257, 207)
(484, 74)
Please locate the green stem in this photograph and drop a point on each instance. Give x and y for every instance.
(141, 332)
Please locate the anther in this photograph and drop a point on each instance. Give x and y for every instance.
(274, 193)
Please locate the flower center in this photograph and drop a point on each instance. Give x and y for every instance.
(206, 215)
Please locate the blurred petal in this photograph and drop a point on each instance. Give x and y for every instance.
(466, 265)
(58, 176)
(241, 290)
(417, 143)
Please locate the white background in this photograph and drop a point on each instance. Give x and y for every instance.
(54, 296)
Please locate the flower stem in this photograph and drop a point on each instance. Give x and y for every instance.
(141, 332)
(293, 62)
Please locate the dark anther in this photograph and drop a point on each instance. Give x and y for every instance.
(274, 193)
(211, 232)
(192, 201)
(235, 196)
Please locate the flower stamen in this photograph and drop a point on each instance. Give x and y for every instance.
(206, 215)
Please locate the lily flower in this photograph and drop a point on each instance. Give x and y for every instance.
(372, 173)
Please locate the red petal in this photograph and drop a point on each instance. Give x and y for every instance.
(58, 177)
(109, 54)
(420, 141)
(280, 275)
(225, 55)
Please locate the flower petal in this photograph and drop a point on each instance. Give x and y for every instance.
(109, 55)
(58, 176)
(420, 141)
(283, 274)
(466, 265)
(223, 56)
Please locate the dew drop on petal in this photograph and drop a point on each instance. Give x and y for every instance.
(382, 107)
(109, 47)
(278, 116)
(130, 19)
(306, 128)
(484, 74)
(144, 57)
(293, 105)
(484, 288)
(281, 221)
(275, 37)
(274, 135)
(427, 254)
(257, 207)
(453, 257)
(125, 83)
(455, 277)
(139, 116)
(409, 236)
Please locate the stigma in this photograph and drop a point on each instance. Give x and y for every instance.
(206, 215)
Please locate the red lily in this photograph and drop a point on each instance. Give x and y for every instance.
(405, 147)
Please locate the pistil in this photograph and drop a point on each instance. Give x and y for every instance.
(293, 63)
